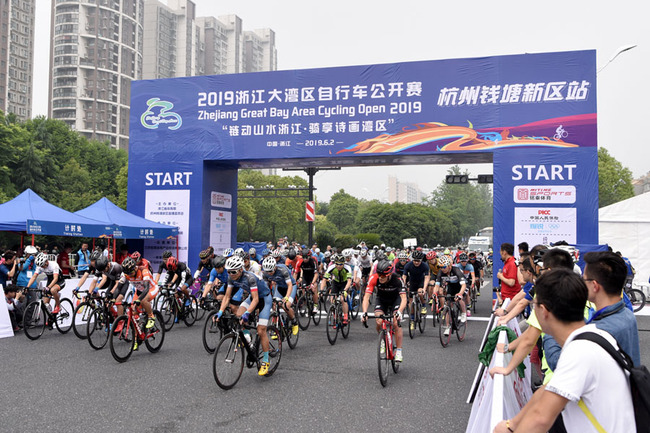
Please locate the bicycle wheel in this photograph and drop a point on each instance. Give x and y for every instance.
(637, 298)
(356, 304)
(122, 342)
(275, 349)
(422, 323)
(212, 333)
(394, 363)
(168, 310)
(461, 327)
(345, 329)
(445, 326)
(97, 329)
(292, 340)
(80, 319)
(190, 311)
(228, 361)
(412, 319)
(303, 311)
(382, 359)
(155, 336)
(316, 316)
(34, 319)
(332, 325)
(64, 318)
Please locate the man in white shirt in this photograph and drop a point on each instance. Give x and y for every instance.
(585, 372)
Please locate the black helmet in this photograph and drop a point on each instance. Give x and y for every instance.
(128, 265)
(384, 267)
(380, 255)
(417, 255)
(166, 255)
(95, 254)
(462, 257)
(306, 252)
(204, 254)
(339, 259)
(101, 263)
(219, 262)
(291, 254)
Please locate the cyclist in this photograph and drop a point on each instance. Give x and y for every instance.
(391, 298)
(55, 281)
(179, 276)
(279, 278)
(468, 272)
(363, 269)
(293, 261)
(252, 252)
(145, 286)
(308, 275)
(452, 279)
(432, 261)
(111, 273)
(259, 298)
(205, 262)
(163, 265)
(478, 271)
(252, 266)
(400, 263)
(218, 278)
(416, 277)
(340, 275)
(141, 262)
(349, 259)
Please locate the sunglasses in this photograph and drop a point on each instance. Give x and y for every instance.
(232, 272)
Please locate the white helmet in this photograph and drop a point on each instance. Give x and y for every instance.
(240, 252)
(41, 259)
(276, 253)
(347, 253)
(363, 253)
(317, 250)
(389, 249)
(234, 263)
(30, 249)
(268, 264)
(444, 261)
(403, 255)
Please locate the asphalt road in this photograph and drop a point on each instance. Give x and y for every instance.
(59, 383)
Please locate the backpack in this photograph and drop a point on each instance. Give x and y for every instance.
(639, 380)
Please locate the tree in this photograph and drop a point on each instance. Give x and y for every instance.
(614, 180)
(343, 211)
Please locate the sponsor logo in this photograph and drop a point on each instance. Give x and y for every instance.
(158, 113)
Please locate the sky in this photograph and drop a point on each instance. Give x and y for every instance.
(342, 33)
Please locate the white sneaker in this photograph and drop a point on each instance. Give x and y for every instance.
(447, 329)
(398, 355)
(463, 318)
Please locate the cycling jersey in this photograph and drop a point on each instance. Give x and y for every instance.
(467, 270)
(221, 277)
(308, 267)
(50, 271)
(388, 293)
(398, 267)
(478, 266)
(338, 275)
(416, 275)
(281, 277)
(143, 283)
(255, 268)
(433, 268)
(364, 262)
(454, 280)
(248, 283)
(184, 276)
(293, 264)
(145, 264)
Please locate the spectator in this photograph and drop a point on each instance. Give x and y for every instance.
(8, 268)
(123, 254)
(509, 280)
(585, 372)
(523, 248)
(63, 260)
(605, 273)
(84, 258)
(15, 305)
(26, 267)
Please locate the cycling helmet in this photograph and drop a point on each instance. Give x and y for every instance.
(234, 263)
(375, 247)
(379, 255)
(136, 256)
(101, 263)
(389, 249)
(246, 256)
(219, 262)
(276, 253)
(291, 254)
(30, 249)
(171, 263)
(403, 255)
(95, 254)
(41, 259)
(384, 267)
(417, 255)
(339, 259)
(317, 250)
(265, 252)
(204, 254)
(240, 252)
(472, 255)
(166, 255)
(128, 265)
(363, 253)
(383, 246)
(446, 251)
(306, 253)
(418, 249)
(228, 252)
(327, 254)
(268, 264)
(431, 255)
(347, 253)
(462, 257)
(444, 261)
(252, 252)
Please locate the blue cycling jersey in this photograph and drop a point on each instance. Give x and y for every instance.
(248, 283)
(214, 275)
(281, 276)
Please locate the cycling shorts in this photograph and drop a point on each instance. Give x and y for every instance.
(453, 290)
(122, 288)
(153, 291)
(387, 306)
(60, 282)
(365, 271)
(263, 306)
(281, 292)
(109, 285)
(414, 287)
(337, 287)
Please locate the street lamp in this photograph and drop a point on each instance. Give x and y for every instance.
(618, 52)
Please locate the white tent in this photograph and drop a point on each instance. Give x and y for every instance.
(625, 226)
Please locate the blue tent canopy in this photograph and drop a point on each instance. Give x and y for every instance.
(126, 225)
(29, 212)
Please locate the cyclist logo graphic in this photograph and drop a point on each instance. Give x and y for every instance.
(151, 120)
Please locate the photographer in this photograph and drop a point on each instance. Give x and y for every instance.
(8, 268)
(26, 267)
(15, 305)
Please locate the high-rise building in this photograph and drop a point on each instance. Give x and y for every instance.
(260, 51)
(214, 37)
(96, 51)
(16, 56)
(403, 192)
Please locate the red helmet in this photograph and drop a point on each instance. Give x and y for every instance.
(136, 256)
(431, 255)
(171, 264)
(418, 249)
